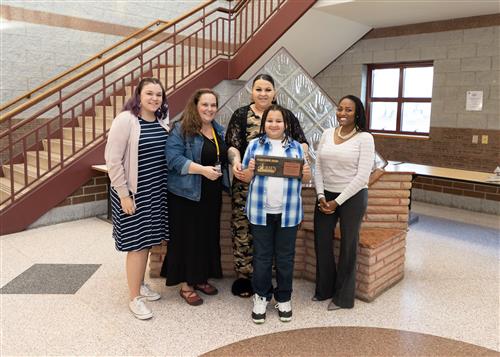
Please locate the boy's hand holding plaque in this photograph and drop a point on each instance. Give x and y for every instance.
(278, 166)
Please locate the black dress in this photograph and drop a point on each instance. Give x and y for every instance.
(193, 252)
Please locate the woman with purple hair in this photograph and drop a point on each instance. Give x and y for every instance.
(138, 173)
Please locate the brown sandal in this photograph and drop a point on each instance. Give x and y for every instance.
(206, 288)
(191, 297)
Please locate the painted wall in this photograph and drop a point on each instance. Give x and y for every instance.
(331, 39)
(42, 39)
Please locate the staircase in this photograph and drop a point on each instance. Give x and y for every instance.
(51, 136)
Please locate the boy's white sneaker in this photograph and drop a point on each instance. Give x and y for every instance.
(149, 294)
(139, 308)
(284, 310)
(259, 309)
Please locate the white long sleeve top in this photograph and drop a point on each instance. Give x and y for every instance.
(344, 168)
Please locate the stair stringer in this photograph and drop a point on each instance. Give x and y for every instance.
(49, 193)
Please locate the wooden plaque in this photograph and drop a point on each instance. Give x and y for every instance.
(278, 166)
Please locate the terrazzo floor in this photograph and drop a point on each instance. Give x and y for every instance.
(450, 290)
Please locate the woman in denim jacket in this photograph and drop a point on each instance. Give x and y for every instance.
(197, 168)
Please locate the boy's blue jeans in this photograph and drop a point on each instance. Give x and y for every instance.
(273, 241)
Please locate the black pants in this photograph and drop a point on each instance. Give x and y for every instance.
(338, 283)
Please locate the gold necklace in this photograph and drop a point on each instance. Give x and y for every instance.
(347, 136)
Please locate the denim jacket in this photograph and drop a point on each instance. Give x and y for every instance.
(180, 151)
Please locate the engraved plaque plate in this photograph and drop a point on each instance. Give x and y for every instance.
(278, 166)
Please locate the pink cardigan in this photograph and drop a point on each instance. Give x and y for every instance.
(122, 152)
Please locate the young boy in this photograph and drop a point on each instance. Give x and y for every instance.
(274, 209)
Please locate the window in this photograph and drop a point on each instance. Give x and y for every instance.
(399, 98)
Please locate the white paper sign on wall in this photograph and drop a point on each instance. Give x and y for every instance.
(474, 101)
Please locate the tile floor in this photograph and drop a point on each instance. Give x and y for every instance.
(450, 289)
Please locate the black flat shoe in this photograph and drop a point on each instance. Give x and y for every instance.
(316, 298)
(332, 306)
(242, 287)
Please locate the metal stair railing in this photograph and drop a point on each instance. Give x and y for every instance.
(76, 114)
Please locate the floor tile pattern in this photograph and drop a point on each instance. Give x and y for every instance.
(349, 341)
(450, 290)
(50, 279)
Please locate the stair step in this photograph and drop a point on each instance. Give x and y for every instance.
(122, 98)
(5, 188)
(89, 134)
(128, 92)
(119, 101)
(55, 146)
(43, 157)
(18, 173)
(110, 111)
(97, 121)
(167, 78)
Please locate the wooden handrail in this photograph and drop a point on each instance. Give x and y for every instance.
(65, 73)
(54, 90)
(235, 9)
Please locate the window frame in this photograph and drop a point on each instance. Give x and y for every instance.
(400, 100)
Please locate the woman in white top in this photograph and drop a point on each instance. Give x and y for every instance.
(344, 161)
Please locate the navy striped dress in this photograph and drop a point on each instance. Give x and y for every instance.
(149, 225)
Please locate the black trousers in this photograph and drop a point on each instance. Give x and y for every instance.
(338, 282)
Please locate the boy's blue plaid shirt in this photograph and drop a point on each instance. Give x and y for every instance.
(292, 213)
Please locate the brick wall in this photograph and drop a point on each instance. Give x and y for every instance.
(466, 57)
(446, 147)
(94, 190)
(380, 259)
(488, 192)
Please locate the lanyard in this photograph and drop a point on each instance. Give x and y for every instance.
(216, 143)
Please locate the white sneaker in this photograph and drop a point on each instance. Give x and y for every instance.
(149, 294)
(259, 309)
(140, 309)
(284, 310)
